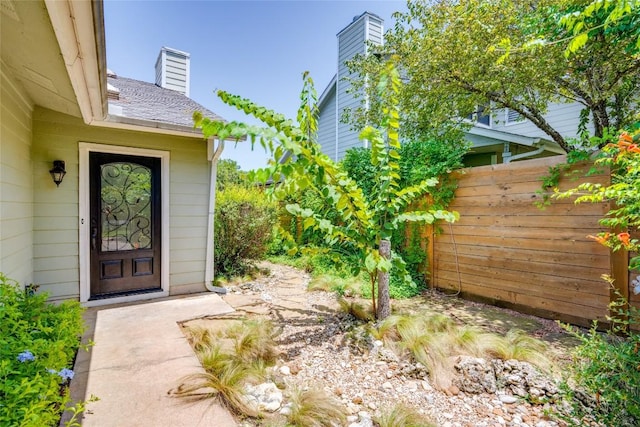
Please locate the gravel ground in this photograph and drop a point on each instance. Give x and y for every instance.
(318, 351)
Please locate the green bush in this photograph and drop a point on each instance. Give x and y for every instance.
(244, 224)
(606, 372)
(419, 160)
(38, 342)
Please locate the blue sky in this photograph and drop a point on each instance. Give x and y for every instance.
(256, 49)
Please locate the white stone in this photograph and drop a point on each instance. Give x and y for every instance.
(387, 385)
(505, 398)
(378, 343)
(285, 410)
(265, 396)
(426, 386)
(285, 370)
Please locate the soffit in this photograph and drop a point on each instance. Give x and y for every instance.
(31, 54)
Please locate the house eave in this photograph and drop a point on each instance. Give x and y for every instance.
(516, 139)
(79, 29)
(327, 91)
(150, 126)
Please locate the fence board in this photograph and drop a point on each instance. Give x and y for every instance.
(506, 250)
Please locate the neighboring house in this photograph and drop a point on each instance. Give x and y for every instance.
(496, 138)
(131, 218)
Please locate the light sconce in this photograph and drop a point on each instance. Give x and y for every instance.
(58, 172)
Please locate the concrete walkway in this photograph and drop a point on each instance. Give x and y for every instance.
(139, 355)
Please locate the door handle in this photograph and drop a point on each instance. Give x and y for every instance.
(94, 236)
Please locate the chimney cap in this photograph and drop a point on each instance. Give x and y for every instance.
(176, 51)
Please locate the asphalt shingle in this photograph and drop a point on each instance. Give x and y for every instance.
(146, 101)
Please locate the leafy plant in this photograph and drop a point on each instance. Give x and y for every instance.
(314, 408)
(605, 370)
(607, 365)
(419, 160)
(244, 221)
(228, 174)
(365, 226)
(38, 345)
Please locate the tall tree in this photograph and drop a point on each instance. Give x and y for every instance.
(456, 55)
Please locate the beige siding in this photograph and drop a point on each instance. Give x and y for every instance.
(56, 136)
(16, 196)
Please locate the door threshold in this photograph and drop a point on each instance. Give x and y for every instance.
(129, 297)
(125, 294)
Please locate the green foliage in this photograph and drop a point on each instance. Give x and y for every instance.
(607, 367)
(38, 344)
(418, 161)
(585, 23)
(458, 55)
(624, 160)
(358, 223)
(228, 174)
(244, 221)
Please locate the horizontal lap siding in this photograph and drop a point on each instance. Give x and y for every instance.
(16, 195)
(56, 264)
(506, 250)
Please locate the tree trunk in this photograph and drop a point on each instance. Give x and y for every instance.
(384, 303)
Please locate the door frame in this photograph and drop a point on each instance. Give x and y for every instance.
(84, 148)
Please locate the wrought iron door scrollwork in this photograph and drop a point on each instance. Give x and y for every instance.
(125, 206)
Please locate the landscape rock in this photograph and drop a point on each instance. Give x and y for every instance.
(264, 397)
(327, 349)
(475, 375)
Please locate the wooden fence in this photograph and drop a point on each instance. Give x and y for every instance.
(508, 252)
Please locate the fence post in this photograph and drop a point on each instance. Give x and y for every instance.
(620, 277)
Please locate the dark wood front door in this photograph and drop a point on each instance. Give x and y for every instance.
(125, 224)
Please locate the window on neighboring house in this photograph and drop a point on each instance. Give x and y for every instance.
(512, 116)
(482, 116)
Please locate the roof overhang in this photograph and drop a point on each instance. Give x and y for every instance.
(494, 137)
(79, 29)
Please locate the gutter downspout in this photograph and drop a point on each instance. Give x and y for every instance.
(539, 150)
(213, 156)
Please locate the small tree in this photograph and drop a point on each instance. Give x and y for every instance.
(364, 225)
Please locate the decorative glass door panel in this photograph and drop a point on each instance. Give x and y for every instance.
(125, 224)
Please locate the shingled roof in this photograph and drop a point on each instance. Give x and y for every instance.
(140, 100)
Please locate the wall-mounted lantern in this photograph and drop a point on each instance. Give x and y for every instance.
(58, 172)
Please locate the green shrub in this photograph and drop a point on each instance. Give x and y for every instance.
(228, 174)
(607, 368)
(243, 229)
(38, 342)
(419, 160)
